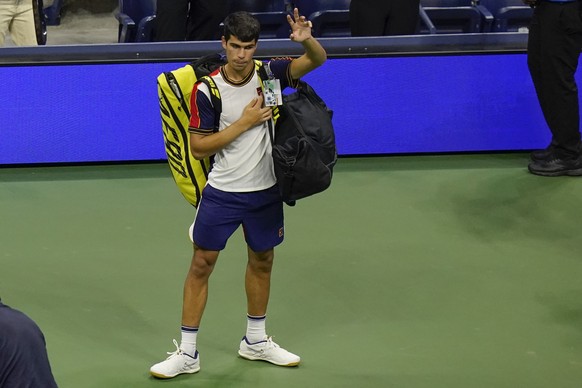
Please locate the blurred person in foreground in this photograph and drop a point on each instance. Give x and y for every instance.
(553, 50)
(17, 19)
(384, 17)
(241, 188)
(192, 20)
(24, 361)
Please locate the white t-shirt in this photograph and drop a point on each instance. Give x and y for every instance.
(245, 164)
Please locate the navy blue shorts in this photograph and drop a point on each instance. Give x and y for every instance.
(220, 213)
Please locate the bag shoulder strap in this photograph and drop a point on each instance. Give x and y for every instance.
(264, 72)
(203, 67)
(214, 98)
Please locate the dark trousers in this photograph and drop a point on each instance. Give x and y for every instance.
(178, 20)
(555, 41)
(383, 17)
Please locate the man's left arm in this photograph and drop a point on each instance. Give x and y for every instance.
(314, 55)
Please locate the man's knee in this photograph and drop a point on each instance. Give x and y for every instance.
(203, 262)
(262, 261)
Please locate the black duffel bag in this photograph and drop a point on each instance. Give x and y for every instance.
(304, 149)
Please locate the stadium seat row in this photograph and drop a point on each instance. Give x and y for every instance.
(331, 17)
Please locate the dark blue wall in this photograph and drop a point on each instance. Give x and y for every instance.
(417, 103)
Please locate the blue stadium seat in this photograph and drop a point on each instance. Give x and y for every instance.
(256, 5)
(510, 15)
(136, 20)
(52, 12)
(455, 16)
(271, 14)
(330, 18)
(425, 24)
(331, 23)
(309, 7)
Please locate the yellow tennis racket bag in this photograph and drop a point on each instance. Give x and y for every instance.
(174, 91)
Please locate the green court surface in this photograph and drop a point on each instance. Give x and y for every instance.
(411, 271)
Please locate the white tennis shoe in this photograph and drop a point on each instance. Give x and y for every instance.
(267, 350)
(177, 363)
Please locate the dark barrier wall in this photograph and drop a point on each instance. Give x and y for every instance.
(93, 111)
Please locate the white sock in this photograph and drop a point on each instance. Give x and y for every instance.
(256, 331)
(188, 344)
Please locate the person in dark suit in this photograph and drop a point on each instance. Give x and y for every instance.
(24, 361)
(178, 20)
(553, 50)
(383, 17)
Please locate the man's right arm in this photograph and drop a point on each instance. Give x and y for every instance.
(203, 145)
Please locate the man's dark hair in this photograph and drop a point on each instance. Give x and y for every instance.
(243, 25)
